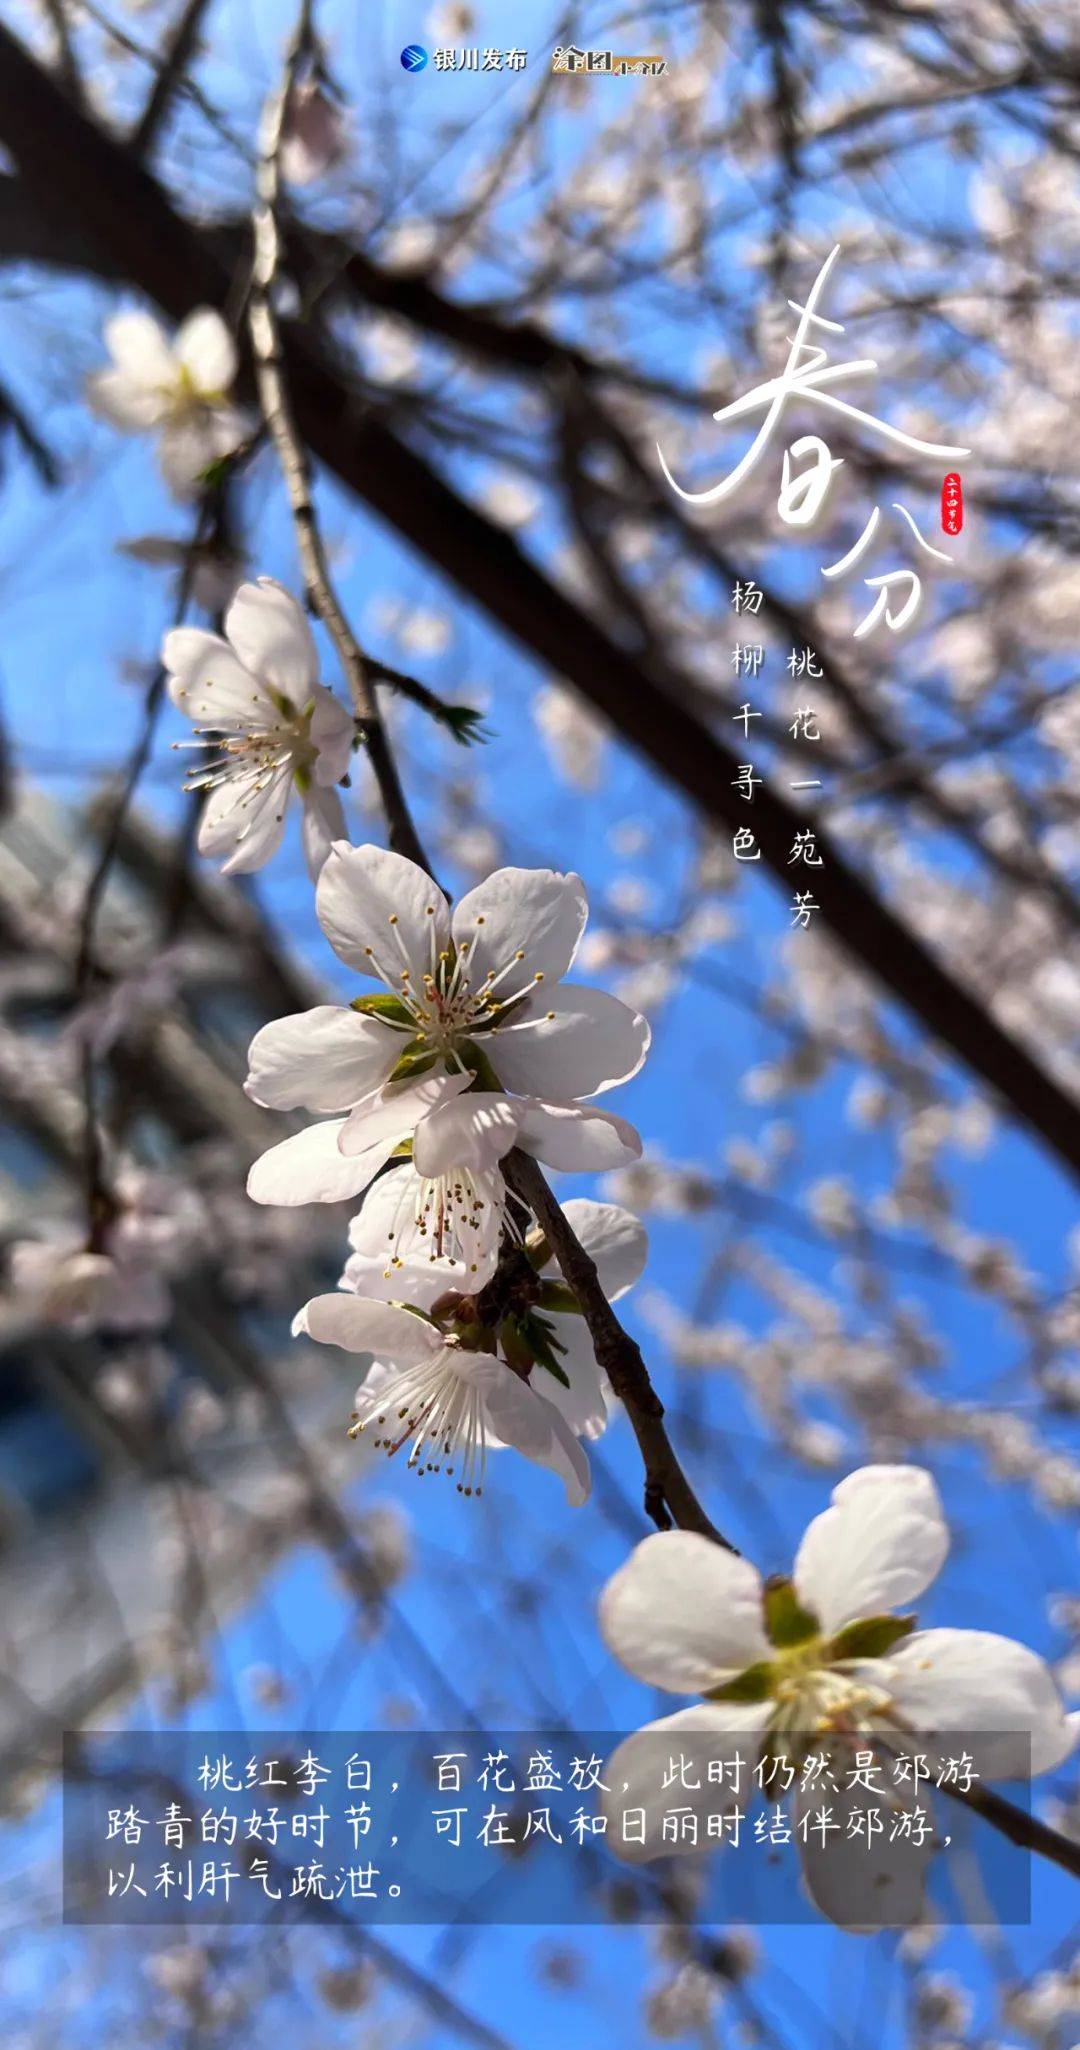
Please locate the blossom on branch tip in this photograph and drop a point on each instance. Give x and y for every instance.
(314, 135)
(819, 1664)
(178, 388)
(448, 1404)
(265, 725)
(392, 1260)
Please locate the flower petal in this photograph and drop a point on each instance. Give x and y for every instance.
(586, 1403)
(531, 917)
(322, 822)
(636, 1801)
(272, 638)
(358, 1324)
(191, 443)
(244, 819)
(400, 1251)
(475, 1132)
(877, 1547)
(865, 1880)
(382, 915)
(141, 350)
(972, 1680)
(381, 1121)
(308, 1168)
(573, 1135)
(333, 732)
(615, 1239)
(204, 348)
(522, 1418)
(208, 683)
(684, 1614)
(569, 1042)
(131, 407)
(324, 1059)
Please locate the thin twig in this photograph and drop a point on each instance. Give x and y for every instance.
(292, 455)
(181, 51)
(100, 1204)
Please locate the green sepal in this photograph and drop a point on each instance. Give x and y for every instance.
(757, 1683)
(414, 1311)
(480, 1066)
(382, 1006)
(871, 1637)
(417, 1059)
(302, 778)
(786, 1621)
(475, 1337)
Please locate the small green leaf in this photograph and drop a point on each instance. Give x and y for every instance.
(755, 1684)
(553, 1367)
(215, 473)
(537, 1336)
(786, 1621)
(382, 1006)
(557, 1299)
(464, 723)
(871, 1638)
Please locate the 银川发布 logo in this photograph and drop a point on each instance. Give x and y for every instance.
(413, 57)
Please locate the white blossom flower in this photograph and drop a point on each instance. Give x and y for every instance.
(449, 1405)
(463, 1006)
(267, 725)
(418, 1235)
(180, 388)
(819, 1662)
(314, 135)
(57, 1280)
(393, 1261)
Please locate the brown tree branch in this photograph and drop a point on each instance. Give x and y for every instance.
(182, 48)
(669, 1496)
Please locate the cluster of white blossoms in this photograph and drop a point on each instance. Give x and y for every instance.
(178, 389)
(821, 1665)
(472, 1046)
